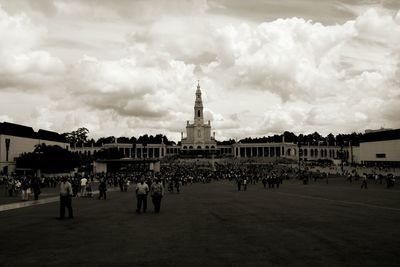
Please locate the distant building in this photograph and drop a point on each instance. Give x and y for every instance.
(17, 139)
(198, 140)
(377, 130)
(380, 148)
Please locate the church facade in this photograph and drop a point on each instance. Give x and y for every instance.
(198, 134)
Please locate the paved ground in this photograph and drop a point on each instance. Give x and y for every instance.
(213, 225)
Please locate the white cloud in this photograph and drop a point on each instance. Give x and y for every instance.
(129, 68)
(23, 66)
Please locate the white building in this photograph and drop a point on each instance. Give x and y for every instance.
(18, 139)
(380, 148)
(198, 134)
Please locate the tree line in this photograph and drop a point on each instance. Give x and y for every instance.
(311, 139)
(80, 137)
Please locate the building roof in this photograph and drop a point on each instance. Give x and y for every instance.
(17, 130)
(51, 136)
(381, 136)
(13, 129)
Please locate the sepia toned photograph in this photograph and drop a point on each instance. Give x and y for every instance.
(199, 133)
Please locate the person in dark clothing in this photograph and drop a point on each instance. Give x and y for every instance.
(35, 185)
(103, 189)
(177, 185)
(75, 187)
(239, 183)
(24, 189)
(364, 182)
(121, 184)
(264, 181)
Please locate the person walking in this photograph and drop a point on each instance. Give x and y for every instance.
(157, 192)
(364, 182)
(142, 189)
(65, 198)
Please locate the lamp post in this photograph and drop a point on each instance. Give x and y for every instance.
(39, 163)
(299, 146)
(342, 157)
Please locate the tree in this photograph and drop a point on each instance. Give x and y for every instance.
(77, 137)
(49, 159)
(330, 139)
(105, 140)
(123, 140)
(290, 137)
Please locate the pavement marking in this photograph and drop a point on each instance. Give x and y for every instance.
(341, 201)
(30, 203)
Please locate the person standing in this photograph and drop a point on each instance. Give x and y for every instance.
(25, 189)
(264, 182)
(102, 189)
(364, 181)
(239, 183)
(35, 185)
(65, 198)
(157, 192)
(83, 186)
(245, 184)
(10, 186)
(142, 189)
(121, 183)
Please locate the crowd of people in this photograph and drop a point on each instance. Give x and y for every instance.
(174, 177)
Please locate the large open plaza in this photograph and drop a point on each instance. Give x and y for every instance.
(213, 224)
(200, 133)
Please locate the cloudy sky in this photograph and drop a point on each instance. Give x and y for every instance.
(127, 68)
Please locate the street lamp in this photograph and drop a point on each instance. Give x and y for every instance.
(299, 146)
(342, 157)
(39, 163)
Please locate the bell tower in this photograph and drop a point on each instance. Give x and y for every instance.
(198, 107)
(198, 140)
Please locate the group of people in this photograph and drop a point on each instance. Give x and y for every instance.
(24, 185)
(142, 190)
(156, 191)
(173, 177)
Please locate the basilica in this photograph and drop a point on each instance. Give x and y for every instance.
(198, 138)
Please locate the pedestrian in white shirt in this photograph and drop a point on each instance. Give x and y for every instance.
(142, 189)
(65, 198)
(83, 186)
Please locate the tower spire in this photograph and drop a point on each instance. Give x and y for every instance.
(198, 106)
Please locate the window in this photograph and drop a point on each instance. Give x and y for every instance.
(381, 156)
(198, 113)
